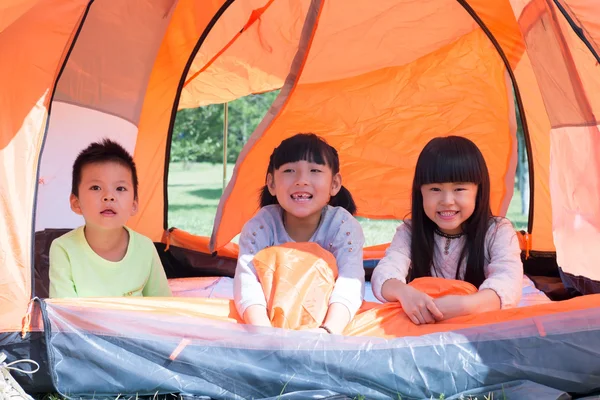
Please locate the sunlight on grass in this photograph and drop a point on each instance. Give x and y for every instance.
(194, 194)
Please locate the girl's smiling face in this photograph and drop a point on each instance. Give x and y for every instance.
(303, 188)
(449, 204)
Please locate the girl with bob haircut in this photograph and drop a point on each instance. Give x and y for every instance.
(452, 234)
(303, 200)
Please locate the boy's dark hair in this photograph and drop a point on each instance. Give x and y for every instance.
(450, 159)
(312, 148)
(100, 152)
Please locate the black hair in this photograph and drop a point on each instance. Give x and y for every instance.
(450, 159)
(312, 148)
(100, 152)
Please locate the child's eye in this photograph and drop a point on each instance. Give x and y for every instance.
(95, 187)
(434, 189)
(315, 170)
(287, 170)
(121, 189)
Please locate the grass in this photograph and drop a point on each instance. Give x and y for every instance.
(194, 194)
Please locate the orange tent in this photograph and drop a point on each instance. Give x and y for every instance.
(376, 79)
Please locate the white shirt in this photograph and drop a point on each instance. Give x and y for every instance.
(503, 268)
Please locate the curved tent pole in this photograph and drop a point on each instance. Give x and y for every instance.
(579, 30)
(45, 136)
(225, 127)
(520, 106)
(180, 87)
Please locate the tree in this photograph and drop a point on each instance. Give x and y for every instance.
(198, 133)
(522, 180)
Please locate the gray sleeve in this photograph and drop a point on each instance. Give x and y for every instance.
(247, 290)
(396, 262)
(347, 247)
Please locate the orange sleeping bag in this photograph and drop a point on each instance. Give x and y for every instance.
(298, 278)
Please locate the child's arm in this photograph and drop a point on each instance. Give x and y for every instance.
(393, 266)
(349, 289)
(248, 294)
(455, 306)
(389, 281)
(504, 275)
(257, 315)
(157, 285)
(61, 279)
(338, 316)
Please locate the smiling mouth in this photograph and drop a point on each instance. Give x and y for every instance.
(447, 214)
(301, 197)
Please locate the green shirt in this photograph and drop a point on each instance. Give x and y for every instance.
(77, 271)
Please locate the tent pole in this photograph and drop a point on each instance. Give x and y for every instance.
(225, 126)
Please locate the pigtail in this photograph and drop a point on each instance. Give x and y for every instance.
(266, 198)
(343, 199)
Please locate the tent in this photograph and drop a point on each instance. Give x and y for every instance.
(377, 80)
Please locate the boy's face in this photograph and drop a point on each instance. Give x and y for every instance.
(106, 198)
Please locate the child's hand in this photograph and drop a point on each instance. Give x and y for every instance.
(452, 306)
(418, 306)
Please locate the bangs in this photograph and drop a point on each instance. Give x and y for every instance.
(305, 147)
(450, 161)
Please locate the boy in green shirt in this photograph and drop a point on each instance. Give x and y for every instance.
(104, 258)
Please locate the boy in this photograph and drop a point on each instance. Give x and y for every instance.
(104, 258)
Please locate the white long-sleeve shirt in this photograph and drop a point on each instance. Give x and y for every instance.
(503, 268)
(338, 232)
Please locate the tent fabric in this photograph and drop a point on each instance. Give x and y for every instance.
(112, 32)
(189, 25)
(150, 355)
(222, 361)
(566, 70)
(98, 99)
(377, 369)
(581, 14)
(377, 80)
(371, 156)
(253, 60)
(33, 46)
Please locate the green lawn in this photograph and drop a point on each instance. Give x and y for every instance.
(194, 194)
